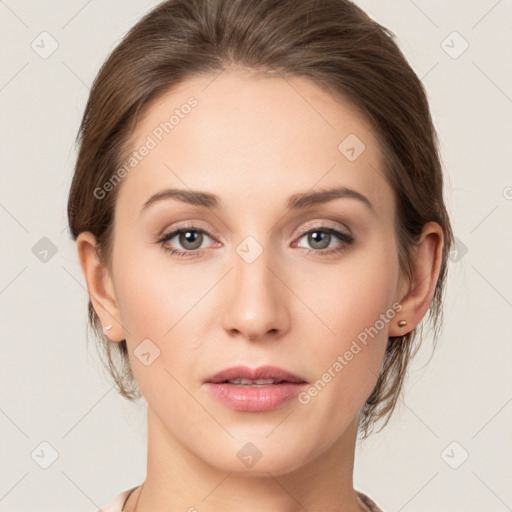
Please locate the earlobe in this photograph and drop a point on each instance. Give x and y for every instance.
(100, 287)
(426, 264)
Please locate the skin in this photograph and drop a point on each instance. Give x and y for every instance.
(254, 141)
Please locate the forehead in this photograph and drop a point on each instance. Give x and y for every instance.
(245, 137)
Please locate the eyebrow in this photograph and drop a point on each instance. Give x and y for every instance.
(295, 202)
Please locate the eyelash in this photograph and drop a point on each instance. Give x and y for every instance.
(343, 237)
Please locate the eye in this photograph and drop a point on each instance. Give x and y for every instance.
(189, 237)
(320, 238)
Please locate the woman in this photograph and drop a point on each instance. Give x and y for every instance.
(258, 210)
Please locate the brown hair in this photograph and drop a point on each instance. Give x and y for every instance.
(332, 42)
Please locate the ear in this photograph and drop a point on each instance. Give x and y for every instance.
(418, 292)
(100, 286)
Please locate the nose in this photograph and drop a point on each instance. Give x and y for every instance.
(256, 300)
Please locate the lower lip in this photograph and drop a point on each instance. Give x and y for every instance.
(254, 399)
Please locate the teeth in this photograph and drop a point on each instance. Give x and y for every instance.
(261, 382)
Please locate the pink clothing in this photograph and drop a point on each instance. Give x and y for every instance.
(118, 503)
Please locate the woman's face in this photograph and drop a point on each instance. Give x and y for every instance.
(257, 280)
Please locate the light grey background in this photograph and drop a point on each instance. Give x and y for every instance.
(53, 389)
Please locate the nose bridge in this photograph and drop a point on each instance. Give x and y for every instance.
(252, 273)
(255, 300)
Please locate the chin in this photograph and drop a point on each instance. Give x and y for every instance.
(257, 459)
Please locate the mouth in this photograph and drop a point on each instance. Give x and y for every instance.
(254, 390)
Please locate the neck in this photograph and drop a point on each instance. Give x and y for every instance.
(178, 480)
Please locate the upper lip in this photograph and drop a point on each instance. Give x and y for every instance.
(262, 372)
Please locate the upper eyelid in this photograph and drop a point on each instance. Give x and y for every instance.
(323, 225)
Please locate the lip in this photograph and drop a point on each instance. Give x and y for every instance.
(251, 398)
(262, 372)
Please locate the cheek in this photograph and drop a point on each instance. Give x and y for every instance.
(352, 295)
(158, 302)
(356, 303)
(152, 292)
